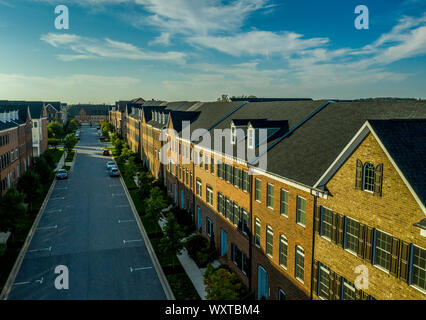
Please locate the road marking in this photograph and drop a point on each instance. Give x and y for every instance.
(43, 249)
(114, 185)
(64, 188)
(137, 269)
(40, 281)
(117, 194)
(59, 198)
(120, 221)
(122, 206)
(56, 210)
(47, 228)
(21, 283)
(127, 241)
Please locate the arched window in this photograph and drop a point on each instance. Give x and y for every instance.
(368, 176)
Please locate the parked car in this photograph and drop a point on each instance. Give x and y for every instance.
(106, 152)
(62, 174)
(114, 172)
(110, 164)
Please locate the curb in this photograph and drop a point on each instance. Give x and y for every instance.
(12, 276)
(163, 279)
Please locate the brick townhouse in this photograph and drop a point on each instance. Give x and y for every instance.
(15, 144)
(263, 223)
(38, 117)
(89, 114)
(374, 217)
(55, 112)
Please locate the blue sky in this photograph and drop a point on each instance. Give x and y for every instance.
(200, 49)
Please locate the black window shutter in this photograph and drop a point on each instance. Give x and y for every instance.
(358, 179)
(378, 179)
(332, 287)
(315, 277)
(394, 257)
(361, 237)
(337, 286)
(334, 227)
(340, 230)
(368, 254)
(404, 261)
(317, 219)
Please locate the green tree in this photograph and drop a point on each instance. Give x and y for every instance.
(70, 142)
(11, 210)
(44, 171)
(53, 142)
(222, 284)
(144, 184)
(72, 126)
(55, 129)
(29, 185)
(130, 169)
(155, 203)
(171, 243)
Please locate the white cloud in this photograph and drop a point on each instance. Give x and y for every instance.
(90, 48)
(162, 39)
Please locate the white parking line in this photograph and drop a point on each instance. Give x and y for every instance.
(127, 241)
(117, 194)
(122, 206)
(56, 210)
(121, 221)
(47, 228)
(58, 198)
(21, 283)
(64, 188)
(137, 269)
(114, 185)
(43, 249)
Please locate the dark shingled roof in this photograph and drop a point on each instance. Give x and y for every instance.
(307, 153)
(89, 109)
(405, 141)
(36, 107)
(22, 116)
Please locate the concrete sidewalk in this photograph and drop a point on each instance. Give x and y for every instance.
(195, 274)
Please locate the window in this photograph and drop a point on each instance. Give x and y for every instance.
(228, 210)
(419, 267)
(269, 241)
(351, 235)
(209, 227)
(190, 181)
(301, 211)
(281, 295)
(327, 223)
(228, 173)
(199, 188)
(270, 196)
(283, 251)
(239, 259)
(245, 182)
(382, 251)
(209, 195)
(201, 160)
(284, 203)
(257, 191)
(245, 222)
(324, 282)
(212, 165)
(368, 177)
(300, 263)
(237, 177)
(348, 290)
(187, 176)
(250, 138)
(233, 135)
(237, 218)
(257, 233)
(206, 163)
(220, 173)
(219, 203)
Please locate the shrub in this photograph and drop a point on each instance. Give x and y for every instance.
(198, 249)
(222, 284)
(184, 219)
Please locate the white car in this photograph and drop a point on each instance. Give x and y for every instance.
(110, 164)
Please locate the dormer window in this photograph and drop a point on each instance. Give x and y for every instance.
(368, 177)
(233, 134)
(250, 138)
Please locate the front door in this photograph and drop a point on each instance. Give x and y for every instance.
(223, 242)
(262, 283)
(175, 193)
(200, 219)
(182, 200)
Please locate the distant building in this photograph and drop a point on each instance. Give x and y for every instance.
(89, 114)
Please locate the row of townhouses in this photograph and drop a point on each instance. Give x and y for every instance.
(89, 113)
(305, 199)
(23, 136)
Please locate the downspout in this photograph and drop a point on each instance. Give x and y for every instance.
(249, 232)
(313, 247)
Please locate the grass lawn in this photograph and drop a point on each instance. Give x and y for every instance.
(182, 287)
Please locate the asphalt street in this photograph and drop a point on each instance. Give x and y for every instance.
(89, 227)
